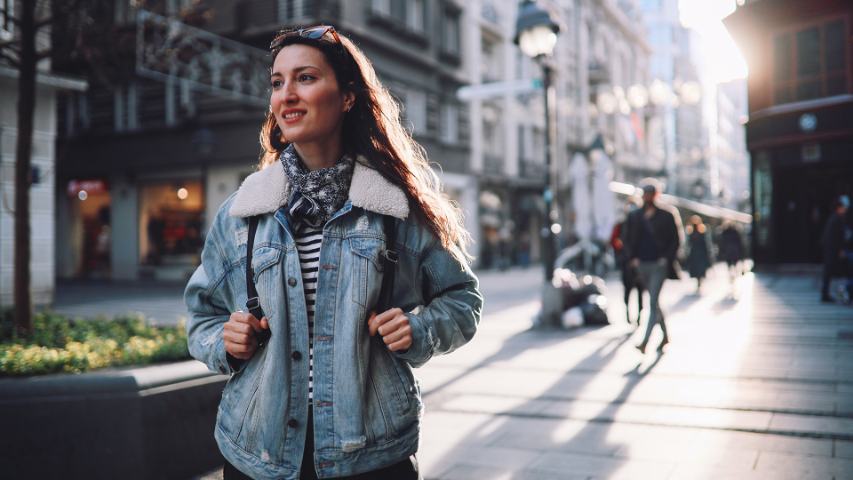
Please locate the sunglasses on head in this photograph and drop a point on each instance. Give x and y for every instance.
(312, 33)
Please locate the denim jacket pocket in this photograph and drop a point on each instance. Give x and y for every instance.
(267, 278)
(263, 258)
(391, 392)
(238, 396)
(367, 269)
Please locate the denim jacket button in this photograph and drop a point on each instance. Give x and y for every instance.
(291, 281)
(292, 423)
(296, 355)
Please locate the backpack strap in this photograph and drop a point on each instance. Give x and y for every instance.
(253, 304)
(390, 257)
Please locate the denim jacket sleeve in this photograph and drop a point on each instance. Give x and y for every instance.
(208, 310)
(451, 310)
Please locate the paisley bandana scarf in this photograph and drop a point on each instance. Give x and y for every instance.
(315, 195)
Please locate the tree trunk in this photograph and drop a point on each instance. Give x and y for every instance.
(26, 107)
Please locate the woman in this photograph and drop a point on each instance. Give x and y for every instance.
(731, 250)
(630, 277)
(330, 393)
(699, 256)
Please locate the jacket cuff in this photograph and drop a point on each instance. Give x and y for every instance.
(228, 364)
(422, 343)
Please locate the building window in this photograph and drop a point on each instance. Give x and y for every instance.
(415, 109)
(6, 17)
(449, 126)
(810, 62)
(450, 31)
(493, 144)
(126, 108)
(415, 15)
(170, 222)
(492, 66)
(381, 7)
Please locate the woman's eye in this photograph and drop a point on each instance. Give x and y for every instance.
(275, 84)
(305, 77)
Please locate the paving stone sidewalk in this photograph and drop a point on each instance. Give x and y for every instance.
(759, 386)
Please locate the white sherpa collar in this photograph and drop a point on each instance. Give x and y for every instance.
(266, 191)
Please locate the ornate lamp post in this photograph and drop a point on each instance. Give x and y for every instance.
(536, 35)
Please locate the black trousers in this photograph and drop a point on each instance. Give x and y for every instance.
(404, 470)
(831, 268)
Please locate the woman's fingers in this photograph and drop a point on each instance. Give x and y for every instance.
(237, 337)
(238, 334)
(375, 322)
(403, 344)
(393, 326)
(397, 329)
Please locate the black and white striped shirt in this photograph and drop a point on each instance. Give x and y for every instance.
(308, 245)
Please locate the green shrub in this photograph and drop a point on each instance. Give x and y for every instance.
(60, 344)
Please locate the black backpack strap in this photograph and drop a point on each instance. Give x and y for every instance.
(390, 257)
(253, 304)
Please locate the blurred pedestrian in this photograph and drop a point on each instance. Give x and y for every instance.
(699, 250)
(630, 277)
(732, 250)
(322, 385)
(652, 240)
(832, 242)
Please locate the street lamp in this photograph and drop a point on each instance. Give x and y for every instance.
(536, 35)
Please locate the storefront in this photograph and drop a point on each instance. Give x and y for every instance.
(115, 230)
(171, 216)
(89, 229)
(800, 128)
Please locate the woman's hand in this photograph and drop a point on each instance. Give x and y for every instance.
(239, 334)
(393, 326)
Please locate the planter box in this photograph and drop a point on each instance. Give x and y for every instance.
(152, 422)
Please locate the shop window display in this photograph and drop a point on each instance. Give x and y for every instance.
(170, 223)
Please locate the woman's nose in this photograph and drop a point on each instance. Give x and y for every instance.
(289, 95)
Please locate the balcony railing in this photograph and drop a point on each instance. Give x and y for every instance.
(531, 170)
(493, 165)
(167, 48)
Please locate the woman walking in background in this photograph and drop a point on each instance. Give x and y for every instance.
(731, 251)
(321, 379)
(699, 250)
(630, 277)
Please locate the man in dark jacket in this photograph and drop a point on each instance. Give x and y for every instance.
(832, 242)
(652, 239)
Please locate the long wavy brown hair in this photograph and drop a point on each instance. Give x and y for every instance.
(373, 130)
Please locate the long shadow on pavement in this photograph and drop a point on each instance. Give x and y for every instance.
(586, 453)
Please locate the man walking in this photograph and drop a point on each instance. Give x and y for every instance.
(832, 242)
(652, 240)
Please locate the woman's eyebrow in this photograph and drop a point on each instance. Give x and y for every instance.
(295, 70)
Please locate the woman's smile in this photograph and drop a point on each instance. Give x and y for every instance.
(293, 115)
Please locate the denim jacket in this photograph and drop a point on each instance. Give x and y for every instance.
(367, 404)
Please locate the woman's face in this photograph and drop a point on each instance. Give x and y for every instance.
(306, 99)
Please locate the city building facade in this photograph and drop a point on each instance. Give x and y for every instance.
(43, 239)
(601, 52)
(799, 132)
(150, 154)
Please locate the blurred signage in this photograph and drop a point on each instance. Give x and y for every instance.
(808, 122)
(88, 186)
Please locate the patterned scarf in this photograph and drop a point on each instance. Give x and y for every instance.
(315, 195)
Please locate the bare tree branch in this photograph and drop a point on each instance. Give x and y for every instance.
(12, 18)
(10, 45)
(12, 60)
